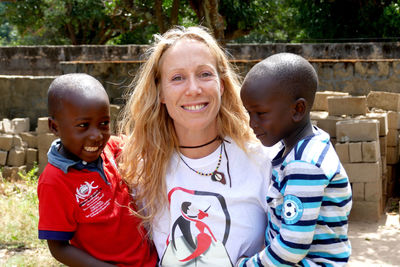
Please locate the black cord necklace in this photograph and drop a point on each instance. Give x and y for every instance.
(216, 176)
(206, 144)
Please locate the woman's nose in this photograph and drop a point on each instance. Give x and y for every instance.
(193, 87)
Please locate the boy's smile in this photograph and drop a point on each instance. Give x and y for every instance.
(83, 127)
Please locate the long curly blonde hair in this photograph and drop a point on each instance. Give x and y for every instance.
(151, 137)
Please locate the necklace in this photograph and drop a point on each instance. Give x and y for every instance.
(216, 176)
(206, 144)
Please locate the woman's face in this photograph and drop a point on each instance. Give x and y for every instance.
(191, 87)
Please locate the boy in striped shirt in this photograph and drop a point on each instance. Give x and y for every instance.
(309, 198)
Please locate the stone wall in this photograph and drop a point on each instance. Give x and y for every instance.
(27, 71)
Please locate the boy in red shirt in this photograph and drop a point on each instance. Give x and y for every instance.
(84, 206)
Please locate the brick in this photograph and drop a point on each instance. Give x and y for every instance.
(6, 141)
(7, 126)
(373, 191)
(392, 155)
(11, 173)
(17, 141)
(366, 211)
(384, 165)
(382, 117)
(114, 113)
(384, 100)
(45, 140)
(370, 151)
(363, 172)
(357, 130)
(383, 145)
(321, 99)
(393, 120)
(357, 191)
(43, 125)
(393, 137)
(325, 122)
(342, 149)
(3, 157)
(16, 157)
(30, 138)
(31, 156)
(347, 105)
(355, 153)
(20, 125)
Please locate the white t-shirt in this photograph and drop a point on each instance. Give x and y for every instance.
(207, 223)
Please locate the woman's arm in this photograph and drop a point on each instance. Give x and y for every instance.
(72, 256)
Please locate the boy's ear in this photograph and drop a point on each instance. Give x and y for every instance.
(53, 126)
(299, 111)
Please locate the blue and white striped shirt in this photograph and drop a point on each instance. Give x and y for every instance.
(309, 200)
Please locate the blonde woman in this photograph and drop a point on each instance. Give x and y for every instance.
(198, 172)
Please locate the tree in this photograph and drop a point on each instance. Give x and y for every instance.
(122, 21)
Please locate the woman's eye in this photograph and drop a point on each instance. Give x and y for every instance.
(206, 74)
(177, 78)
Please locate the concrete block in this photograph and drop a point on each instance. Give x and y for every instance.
(393, 120)
(6, 141)
(30, 138)
(393, 137)
(42, 156)
(391, 172)
(3, 157)
(31, 155)
(392, 155)
(45, 140)
(1, 127)
(373, 191)
(43, 125)
(363, 172)
(384, 165)
(382, 117)
(16, 157)
(370, 151)
(20, 125)
(354, 130)
(11, 173)
(347, 105)
(321, 99)
(357, 191)
(366, 211)
(342, 149)
(355, 153)
(17, 141)
(114, 113)
(325, 122)
(383, 145)
(384, 100)
(7, 128)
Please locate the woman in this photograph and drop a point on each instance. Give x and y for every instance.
(190, 153)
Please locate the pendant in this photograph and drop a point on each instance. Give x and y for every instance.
(218, 177)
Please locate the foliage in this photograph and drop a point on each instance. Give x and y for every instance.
(19, 224)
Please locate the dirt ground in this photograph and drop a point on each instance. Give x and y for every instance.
(375, 244)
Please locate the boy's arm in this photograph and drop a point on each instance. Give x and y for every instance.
(292, 242)
(72, 256)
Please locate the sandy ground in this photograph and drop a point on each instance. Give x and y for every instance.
(375, 244)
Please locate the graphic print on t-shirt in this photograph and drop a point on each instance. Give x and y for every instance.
(194, 240)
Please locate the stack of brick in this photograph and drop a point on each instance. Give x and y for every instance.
(356, 134)
(14, 154)
(45, 138)
(390, 103)
(20, 148)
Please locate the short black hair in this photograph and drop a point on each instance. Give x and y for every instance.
(72, 85)
(296, 75)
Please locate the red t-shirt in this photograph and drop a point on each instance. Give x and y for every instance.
(94, 216)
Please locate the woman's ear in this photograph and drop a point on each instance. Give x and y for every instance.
(53, 126)
(300, 108)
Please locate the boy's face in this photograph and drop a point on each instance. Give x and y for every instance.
(270, 110)
(83, 127)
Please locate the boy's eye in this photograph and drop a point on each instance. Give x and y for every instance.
(105, 123)
(83, 125)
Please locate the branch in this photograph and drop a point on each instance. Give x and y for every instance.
(159, 15)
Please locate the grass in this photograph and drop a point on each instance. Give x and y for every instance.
(19, 244)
